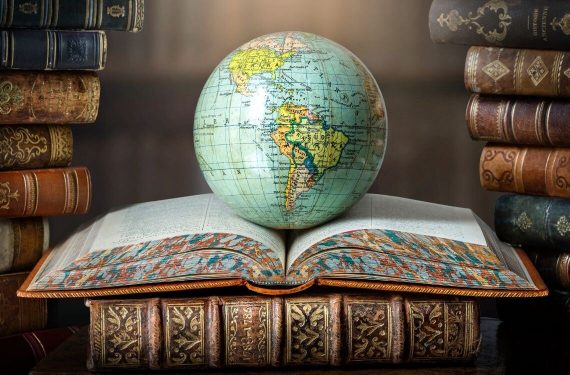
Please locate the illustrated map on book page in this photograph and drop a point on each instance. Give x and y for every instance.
(383, 242)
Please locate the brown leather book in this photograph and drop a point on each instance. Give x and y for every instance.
(28, 147)
(519, 120)
(18, 314)
(260, 331)
(30, 97)
(553, 267)
(526, 170)
(22, 243)
(491, 70)
(45, 192)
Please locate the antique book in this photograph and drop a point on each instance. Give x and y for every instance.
(553, 267)
(18, 314)
(260, 331)
(519, 120)
(49, 97)
(22, 243)
(20, 352)
(539, 313)
(504, 23)
(526, 170)
(125, 15)
(533, 221)
(52, 50)
(493, 70)
(45, 192)
(29, 147)
(382, 243)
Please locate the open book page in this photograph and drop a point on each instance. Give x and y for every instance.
(154, 221)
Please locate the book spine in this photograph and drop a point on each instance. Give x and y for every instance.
(491, 70)
(45, 192)
(507, 23)
(22, 243)
(518, 120)
(530, 221)
(19, 314)
(52, 50)
(30, 147)
(554, 268)
(259, 331)
(123, 15)
(49, 97)
(526, 170)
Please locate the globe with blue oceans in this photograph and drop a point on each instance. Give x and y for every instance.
(290, 130)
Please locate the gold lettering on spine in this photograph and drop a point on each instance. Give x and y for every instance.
(185, 335)
(121, 335)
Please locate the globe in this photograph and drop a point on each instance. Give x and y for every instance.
(290, 130)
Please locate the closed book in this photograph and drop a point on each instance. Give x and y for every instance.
(22, 243)
(533, 221)
(52, 50)
(553, 267)
(48, 97)
(29, 147)
(45, 192)
(526, 170)
(259, 331)
(504, 71)
(17, 314)
(20, 352)
(519, 120)
(125, 15)
(506, 23)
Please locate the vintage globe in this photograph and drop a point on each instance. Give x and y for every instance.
(290, 130)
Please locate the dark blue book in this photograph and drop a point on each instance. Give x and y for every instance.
(125, 15)
(52, 50)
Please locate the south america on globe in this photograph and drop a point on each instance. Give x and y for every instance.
(290, 130)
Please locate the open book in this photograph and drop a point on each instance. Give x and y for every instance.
(383, 243)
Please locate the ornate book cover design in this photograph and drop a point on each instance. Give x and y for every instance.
(256, 331)
(191, 242)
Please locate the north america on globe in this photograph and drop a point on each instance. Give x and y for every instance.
(290, 130)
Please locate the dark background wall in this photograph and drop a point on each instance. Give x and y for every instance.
(141, 146)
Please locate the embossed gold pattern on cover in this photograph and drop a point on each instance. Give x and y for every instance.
(307, 332)
(184, 334)
(121, 335)
(11, 97)
(537, 70)
(369, 330)
(563, 225)
(61, 145)
(524, 222)
(6, 195)
(496, 70)
(20, 145)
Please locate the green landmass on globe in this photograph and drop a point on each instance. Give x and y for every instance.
(290, 130)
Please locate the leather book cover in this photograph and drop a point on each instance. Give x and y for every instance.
(533, 221)
(519, 120)
(52, 50)
(553, 267)
(22, 243)
(505, 23)
(49, 97)
(123, 15)
(45, 192)
(30, 147)
(260, 331)
(18, 314)
(526, 170)
(504, 71)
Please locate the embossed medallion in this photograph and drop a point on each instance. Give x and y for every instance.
(28, 8)
(184, 334)
(121, 331)
(116, 11)
(537, 71)
(369, 331)
(563, 24)
(6, 195)
(523, 222)
(11, 97)
(308, 335)
(19, 146)
(563, 225)
(496, 70)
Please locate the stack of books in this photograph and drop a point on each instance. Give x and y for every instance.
(518, 72)
(49, 52)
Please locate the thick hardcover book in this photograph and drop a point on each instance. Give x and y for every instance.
(29, 147)
(553, 267)
(125, 15)
(506, 23)
(18, 314)
(259, 331)
(52, 50)
(21, 352)
(492, 70)
(48, 97)
(382, 243)
(22, 243)
(45, 192)
(526, 170)
(519, 120)
(534, 222)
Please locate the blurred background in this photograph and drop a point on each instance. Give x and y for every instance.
(140, 149)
